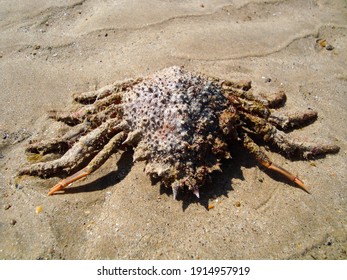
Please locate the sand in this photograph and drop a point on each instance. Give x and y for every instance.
(50, 49)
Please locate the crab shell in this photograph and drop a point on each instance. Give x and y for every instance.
(179, 124)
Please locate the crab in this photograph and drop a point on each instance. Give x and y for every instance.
(181, 123)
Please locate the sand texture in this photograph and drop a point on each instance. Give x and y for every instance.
(51, 49)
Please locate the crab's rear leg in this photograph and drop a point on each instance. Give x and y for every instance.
(87, 146)
(243, 90)
(290, 120)
(273, 100)
(264, 160)
(59, 145)
(283, 141)
(95, 163)
(91, 96)
(62, 144)
(106, 106)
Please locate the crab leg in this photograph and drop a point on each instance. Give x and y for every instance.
(69, 180)
(87, 146)
(283, 141)
(91, 96)
(274, 100)
(59, 145)
(263, 159)
(289, 120)
(76, 117)
(96, 162)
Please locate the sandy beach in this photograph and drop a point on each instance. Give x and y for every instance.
(52, 49)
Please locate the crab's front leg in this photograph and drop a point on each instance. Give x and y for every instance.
(95, 163)
(264, 160)
(69, 180)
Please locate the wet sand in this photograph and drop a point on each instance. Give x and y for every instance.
(51, 49)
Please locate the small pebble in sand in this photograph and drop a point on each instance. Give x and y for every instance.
(266, 79)
(7, 206)
(19, 187)
(13, 222)
(38, 209)
(329, 47)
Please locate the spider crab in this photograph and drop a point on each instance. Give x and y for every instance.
(182, 124)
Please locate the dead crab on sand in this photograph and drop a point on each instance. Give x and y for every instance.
(181, 123)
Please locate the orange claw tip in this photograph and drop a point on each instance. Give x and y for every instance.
(56, 188)
(302, 185)
(50, 193)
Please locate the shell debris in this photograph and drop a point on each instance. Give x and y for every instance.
(38, 209)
